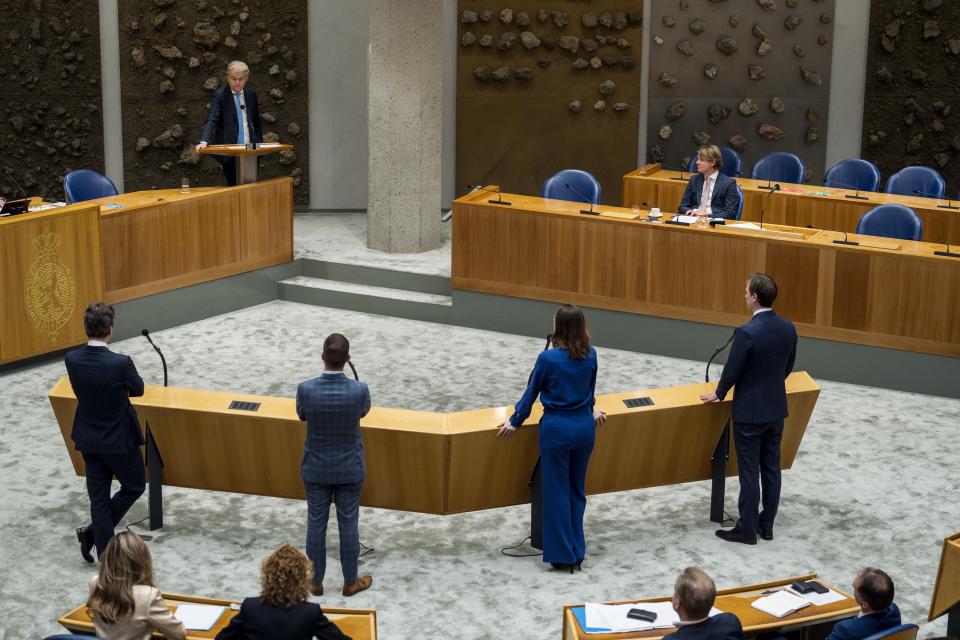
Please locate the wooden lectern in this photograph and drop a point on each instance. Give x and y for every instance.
(247, 155)
(946, 592)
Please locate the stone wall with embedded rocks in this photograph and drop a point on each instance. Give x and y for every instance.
(912, 99)
(749, 74)
(173, 55)
(544, 85)
(50, 111)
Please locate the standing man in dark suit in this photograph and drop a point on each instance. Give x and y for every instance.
(761, 358)
(693, 596)
(873, 591)
(709, 192)
(105, 427)
(333, 466)
(234, 117)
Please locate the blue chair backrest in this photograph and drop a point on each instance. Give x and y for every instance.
(891, 221)
(917, 181)
(853, 173)
(905, 631)
(732, 163)
(556, 186)
(84, 184)
(779, 166)
(739, 203)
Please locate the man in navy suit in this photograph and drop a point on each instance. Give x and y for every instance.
(761, 358)
(234, 117)
(105, 427)
(333, 466)
(873, 591)
(709, 192)
(693, 597)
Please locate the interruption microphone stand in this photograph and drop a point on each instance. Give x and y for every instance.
(721, 453)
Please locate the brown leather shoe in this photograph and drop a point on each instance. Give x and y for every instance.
(316, 589)
(362, 584)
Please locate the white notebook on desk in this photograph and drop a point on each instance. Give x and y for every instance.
(780, 604)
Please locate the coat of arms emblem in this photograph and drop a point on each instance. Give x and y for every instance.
(50, 291)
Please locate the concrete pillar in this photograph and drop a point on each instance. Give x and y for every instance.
(110, 89)
(848, 75)
(404, 72)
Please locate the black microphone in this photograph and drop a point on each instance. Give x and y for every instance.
(682, 168)
(846, 186)
(763, 207)
(146, 334)
(14, 207)
(706, 376)
(949, 204)
(545, 347)
(354, 369)
(590, 211)
(769, 186)
(499, 199)
(947, 253)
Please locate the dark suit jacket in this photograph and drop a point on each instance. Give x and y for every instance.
(762, 355)
(332, 406)
(259, 621)
(723, 626)
(723, 201)
(866, 626)
(103, 381)
(222, 126)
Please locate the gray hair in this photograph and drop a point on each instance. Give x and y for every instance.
(238, 65)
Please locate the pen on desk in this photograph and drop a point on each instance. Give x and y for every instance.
(766, 593)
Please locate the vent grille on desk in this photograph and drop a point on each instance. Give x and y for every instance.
(239, 405)
(633, 403)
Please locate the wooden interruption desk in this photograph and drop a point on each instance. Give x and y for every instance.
(247, 158)
(887, 293)
(946, 592)
(429, 462)
(798, 205)
(736, 601)
(359, 624)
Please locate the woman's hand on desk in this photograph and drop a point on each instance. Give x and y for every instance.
(599, 417)
(506, 429)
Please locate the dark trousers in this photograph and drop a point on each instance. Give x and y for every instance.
(229, 164)
(105, 511)
(758, 456)
(347, 497)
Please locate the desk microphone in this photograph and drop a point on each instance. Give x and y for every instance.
(682, 168)
(499, 199)
(706, 375)
(949, 204)
(13, 207)
(947, 253)
(846, 186)
(769, 186)
(354, 369)
(590, 211)
(763, 207)
(146, 334)
(850, 243)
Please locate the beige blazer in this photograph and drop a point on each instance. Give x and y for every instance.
(150, 613)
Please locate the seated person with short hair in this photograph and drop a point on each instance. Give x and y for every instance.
(709, 192)
(693, 596)
(873, 591)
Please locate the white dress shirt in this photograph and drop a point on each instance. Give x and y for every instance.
(761, 310)
(709, 182)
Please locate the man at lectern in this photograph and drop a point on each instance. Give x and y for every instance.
(761, 358)
(709, 192)
(105, 428)
(234, 117)
(333, 466)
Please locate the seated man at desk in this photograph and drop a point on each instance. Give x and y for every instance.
(693, 595)
(709, 192)
(873, 591)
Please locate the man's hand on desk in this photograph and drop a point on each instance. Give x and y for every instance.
(202, 145)
(506, 429)
(599, 417)
(709, 397)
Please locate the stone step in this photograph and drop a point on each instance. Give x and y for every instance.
(375, 276)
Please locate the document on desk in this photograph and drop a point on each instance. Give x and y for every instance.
(780, 604)
(745, 225)
(614, 616)
(199, 617)
(819, 599)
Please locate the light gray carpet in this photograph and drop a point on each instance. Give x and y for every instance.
(874, 483)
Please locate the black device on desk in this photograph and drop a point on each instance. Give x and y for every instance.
(14, 207)
(642, 615)
(808, 586)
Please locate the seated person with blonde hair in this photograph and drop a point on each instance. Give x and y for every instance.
(693, 597)
(123, 602)
(710, 193)
(282, 611)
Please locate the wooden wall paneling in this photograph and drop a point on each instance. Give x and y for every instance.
(851, 297)
(826, 277)
(607, 255)
(132, 251)
(405, 469)
(796, 272)
(200, 234)
(266, 222)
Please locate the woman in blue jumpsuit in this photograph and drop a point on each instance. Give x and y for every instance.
(564, 378)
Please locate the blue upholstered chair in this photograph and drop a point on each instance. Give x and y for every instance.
(853, 173)
(891, 221)
(739, 203)
(917, 181)
(903, 632)
(84, 184)
(779, 166)
(732, 163)
(556, 186)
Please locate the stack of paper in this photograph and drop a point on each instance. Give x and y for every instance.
(607, 618)
(199, 617)
(780, 604)
(820, 599)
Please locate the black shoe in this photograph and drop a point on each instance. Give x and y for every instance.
(580, 564)
(766, 535)
(732, 535)
(85, 537)
(562, 566)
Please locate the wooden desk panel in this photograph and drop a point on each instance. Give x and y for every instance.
(888, 293)
(736, 601)
(433, 462)
(832, 211)
(359, 624)
(946, 591)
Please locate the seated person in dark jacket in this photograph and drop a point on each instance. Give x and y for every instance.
(282, 611)
(710, 192)
(693, 596)
(873, 591)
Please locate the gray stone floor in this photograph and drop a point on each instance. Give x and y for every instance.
(873, 484)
